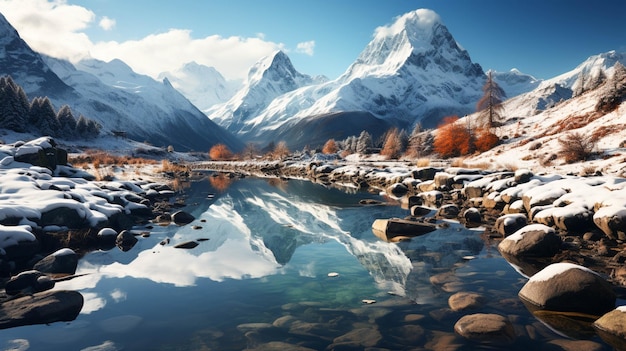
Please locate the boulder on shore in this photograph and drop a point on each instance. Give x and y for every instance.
(612, 327)
(567, 287)
(535, 240)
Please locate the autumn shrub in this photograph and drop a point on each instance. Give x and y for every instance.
(452, 138)
(577, 147)
(220, 152)
(330, 147)
(486, 140)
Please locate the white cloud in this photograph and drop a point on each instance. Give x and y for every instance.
(106, 23)
(50, 27)
(306, 47)
(56, 28)
(156, 53)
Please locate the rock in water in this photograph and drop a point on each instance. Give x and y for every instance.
(41, 308)
(488, 328)
(186, 245)
(28, 282)
(182, 218)
(612, 327)
(63, 261)
(125, 240)
(567, 287)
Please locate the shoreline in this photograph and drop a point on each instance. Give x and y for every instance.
(465, 188)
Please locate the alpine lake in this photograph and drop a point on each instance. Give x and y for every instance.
(290, 265)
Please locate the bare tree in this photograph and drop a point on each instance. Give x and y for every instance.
(577, 147)
(490, 105)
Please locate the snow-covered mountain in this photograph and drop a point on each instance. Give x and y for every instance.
(26, 67)
(271, 77)
(204, 86)
(412, 71)
(112, 94)
(515, 82)
(587, 76)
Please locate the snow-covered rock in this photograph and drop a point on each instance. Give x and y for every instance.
(567, 287)
(535, 240)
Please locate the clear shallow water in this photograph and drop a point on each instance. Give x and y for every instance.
(268, 249)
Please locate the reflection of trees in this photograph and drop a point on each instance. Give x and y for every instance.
(220, 181)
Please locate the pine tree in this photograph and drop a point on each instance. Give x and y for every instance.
(43, 117)
(364, 142)
(415, 143)
(14, 106)
(490, 105)
(93, 128)
(615, 90)
(66, 121)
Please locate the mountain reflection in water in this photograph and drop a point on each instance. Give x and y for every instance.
(278, 239)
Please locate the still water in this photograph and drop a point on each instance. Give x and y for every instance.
(280, 264)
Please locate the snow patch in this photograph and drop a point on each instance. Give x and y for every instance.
(555, 269)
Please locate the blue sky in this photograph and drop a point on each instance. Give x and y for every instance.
(539, 37)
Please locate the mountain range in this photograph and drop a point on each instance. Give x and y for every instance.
(113, 95)
(413, 71)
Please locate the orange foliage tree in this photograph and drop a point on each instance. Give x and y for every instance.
(452, 139)
(220, 152)
(486, 140)
(392, 148)
(330, 147)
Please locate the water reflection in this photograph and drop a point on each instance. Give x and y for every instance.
(270, 244)
(254, 230)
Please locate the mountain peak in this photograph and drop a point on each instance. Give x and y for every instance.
(277, 60)
(418, 36)
(420, 20)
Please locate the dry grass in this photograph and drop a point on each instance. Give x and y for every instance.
(572, 122)
(101, 158)
(603, 131)
(423, 162)
(103, 163)
(167, 166)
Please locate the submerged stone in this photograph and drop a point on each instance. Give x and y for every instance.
(486, 328)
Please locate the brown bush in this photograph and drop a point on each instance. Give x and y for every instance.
(330, 147)
(486, 140)
(577, 147)
(220, 152)
(452, 138)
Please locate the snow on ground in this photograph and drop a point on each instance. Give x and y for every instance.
(28, 192)
(532, 136)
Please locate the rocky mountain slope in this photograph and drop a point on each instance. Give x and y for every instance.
(535, 121)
